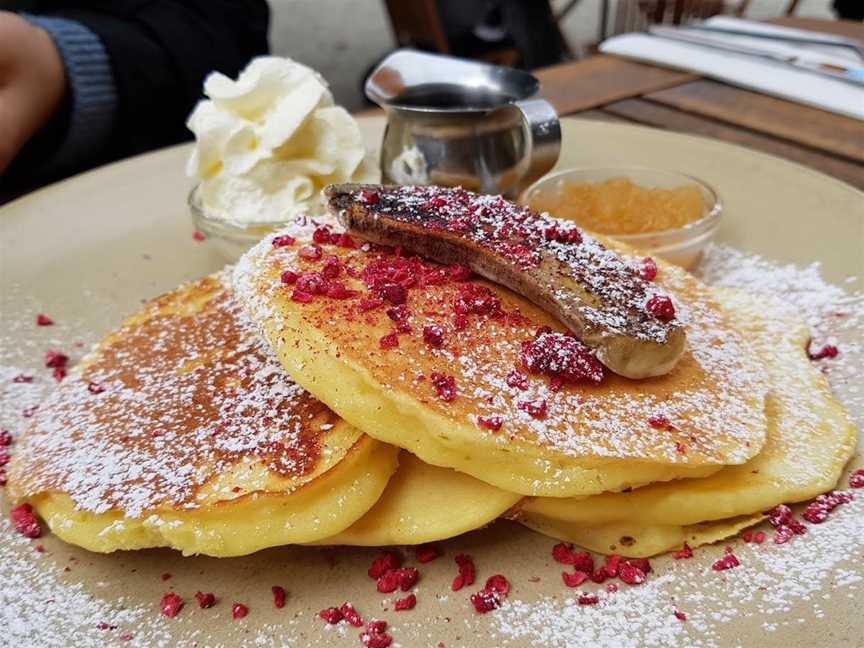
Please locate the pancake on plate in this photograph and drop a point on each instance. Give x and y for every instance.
(641, 540)
(425, 358)
(424, 503)
(181, 430)
(810, 439)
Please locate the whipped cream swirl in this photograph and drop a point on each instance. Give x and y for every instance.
(269, 141)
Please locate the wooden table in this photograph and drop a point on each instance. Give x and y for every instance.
(615, 89)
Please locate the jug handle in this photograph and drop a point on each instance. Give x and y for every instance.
(541, 121)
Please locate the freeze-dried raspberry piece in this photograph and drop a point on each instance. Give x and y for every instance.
(384, 563)
(389, 341)
(827, 351)
(426, 553)
(648, 269)
(376, 626)
(631, 574)
(684, 552)
(55, 359)
(661, 307)
(535, 408)
(726, 562)
(499, 584)
(561, 357)
(171, 604)
(375, 640)
(311, 252)
(351, 615)
(433, 335)
(574, 579)
(282, 241)
(445, 386)
(517, 379)
(819, 509)
(388, 582)
(393, 293)
(343, 240)
(563, 553)
(485, 600)
(374, 636)
(598, 576)
(406, 603)
(641, 563)
(321, 235)
(611, 565)
(659, 421)
(459, 272)
(369, 197)
(583, 561)
(467, 572)
(331, 615)
(492, 423)
(332, 267)
(302, 297)
(25, 521)
(407, 577)
(205, 599)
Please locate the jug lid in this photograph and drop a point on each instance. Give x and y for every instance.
(413, 80)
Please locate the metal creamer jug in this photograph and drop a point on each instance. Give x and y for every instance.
(454, 122)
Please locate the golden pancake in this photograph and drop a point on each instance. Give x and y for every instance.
(424, 503)
(440, 375)
(810, 439)
(180, 429)
(640, 541)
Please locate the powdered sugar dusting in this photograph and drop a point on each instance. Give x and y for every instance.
(771, 582)
(779, 594)
(164, 404)
(36, 609)
(777, 586)
(713, 397)
(831, 313)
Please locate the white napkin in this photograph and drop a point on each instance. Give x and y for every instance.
(762, 75)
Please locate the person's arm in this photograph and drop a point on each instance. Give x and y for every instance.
(32, 83)
(160, 53)
(154, 56)
(80, 129)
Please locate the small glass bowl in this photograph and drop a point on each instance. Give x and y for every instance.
(682, 246)
(229, 239)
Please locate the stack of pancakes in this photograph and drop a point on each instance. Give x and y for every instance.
(239, 412)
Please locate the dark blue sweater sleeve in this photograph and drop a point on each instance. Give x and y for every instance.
(135, 70)
(92, 101)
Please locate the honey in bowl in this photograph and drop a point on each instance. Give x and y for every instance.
(619, 206)
(663, 213)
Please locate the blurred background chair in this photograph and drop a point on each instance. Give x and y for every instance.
(518, 33)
